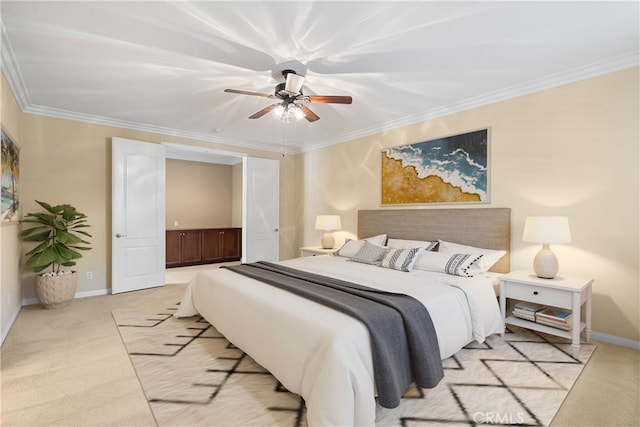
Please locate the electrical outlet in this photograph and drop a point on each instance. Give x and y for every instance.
(176, 223)
(89, 274)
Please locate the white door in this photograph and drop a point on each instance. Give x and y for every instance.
(261, 213)
(138, 212)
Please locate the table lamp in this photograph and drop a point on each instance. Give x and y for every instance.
(328, 223)
(546, 230)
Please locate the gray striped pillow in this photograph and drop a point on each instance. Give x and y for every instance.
(400, 259)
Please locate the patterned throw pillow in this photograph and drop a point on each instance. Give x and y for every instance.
(489, 256)
(444, 262)
(459, 264)
(369, 254)
(410, 244)
(400, 259)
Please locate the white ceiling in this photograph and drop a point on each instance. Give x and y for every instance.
(163, 66)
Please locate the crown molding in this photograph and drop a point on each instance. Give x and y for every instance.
(16, 83)
(11, 71)
(165, 131)
(618, 63)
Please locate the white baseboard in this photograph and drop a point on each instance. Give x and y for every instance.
(93, 293)
(612, 339)
(8, 326)
(84, 294)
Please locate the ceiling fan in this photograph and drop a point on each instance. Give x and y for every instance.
(292, 101)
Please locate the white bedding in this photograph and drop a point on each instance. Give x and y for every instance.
(324, 355)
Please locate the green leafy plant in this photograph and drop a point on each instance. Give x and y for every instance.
(60, 232)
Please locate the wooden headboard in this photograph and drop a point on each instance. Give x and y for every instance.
(482, 227)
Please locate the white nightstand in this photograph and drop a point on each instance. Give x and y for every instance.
(315, 250)
(562, 292)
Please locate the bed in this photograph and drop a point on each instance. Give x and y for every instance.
(324, 355)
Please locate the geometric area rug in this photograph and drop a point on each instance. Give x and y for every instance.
(192, 376)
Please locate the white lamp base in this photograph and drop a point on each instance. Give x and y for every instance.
(545, 264)
(328, 240)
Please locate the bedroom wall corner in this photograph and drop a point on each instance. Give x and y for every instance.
(570, 150)
(70, 161)
(10, 244)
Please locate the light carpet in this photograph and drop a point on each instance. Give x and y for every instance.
(191, 375)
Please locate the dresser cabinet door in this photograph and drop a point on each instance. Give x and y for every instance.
(232, 244)
(173, 252)
(211, 246)
(191, 247)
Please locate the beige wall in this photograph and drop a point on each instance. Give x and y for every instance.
(572, 150)
(10, 245)
(199, 195)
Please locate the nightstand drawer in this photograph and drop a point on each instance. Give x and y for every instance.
(539, 294)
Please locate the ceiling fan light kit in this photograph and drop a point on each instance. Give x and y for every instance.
(291, 99)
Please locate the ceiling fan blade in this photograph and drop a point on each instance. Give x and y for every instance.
(330, 99)
(244, 92)
(308, 114)
(264, 111)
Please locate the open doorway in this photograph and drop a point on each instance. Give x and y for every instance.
(138, 222)
(203, 219)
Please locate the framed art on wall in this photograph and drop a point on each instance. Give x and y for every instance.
(453, 169)
(9, 178)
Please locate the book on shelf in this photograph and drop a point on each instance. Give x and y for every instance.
(524, 313)
(555, 317)
(554, 323)
(531, 307)
(527, 310)
(555, 314)
(529, 317)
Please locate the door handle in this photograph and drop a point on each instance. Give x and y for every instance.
(118, 235)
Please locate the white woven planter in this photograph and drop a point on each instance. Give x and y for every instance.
(56, 291)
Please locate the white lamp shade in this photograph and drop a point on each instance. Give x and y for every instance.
(328, 222)
(546, 229)
(293, 83)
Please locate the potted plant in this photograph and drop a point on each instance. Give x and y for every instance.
(59, 231)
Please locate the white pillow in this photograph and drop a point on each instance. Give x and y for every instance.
(379, 240)
(444, 262)
(489, 256)
(369, 254)
(400, 259)
(351, 247)
(402, 244)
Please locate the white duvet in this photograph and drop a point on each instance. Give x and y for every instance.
(324, 355)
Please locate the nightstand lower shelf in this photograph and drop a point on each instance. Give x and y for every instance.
(561, 293)
(512, 320)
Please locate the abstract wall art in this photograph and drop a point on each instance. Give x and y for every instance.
(453, 169)
(10, 179)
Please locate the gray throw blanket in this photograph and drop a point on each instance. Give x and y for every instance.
(404, 342)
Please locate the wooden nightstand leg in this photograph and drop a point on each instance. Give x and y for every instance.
(575, 329)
